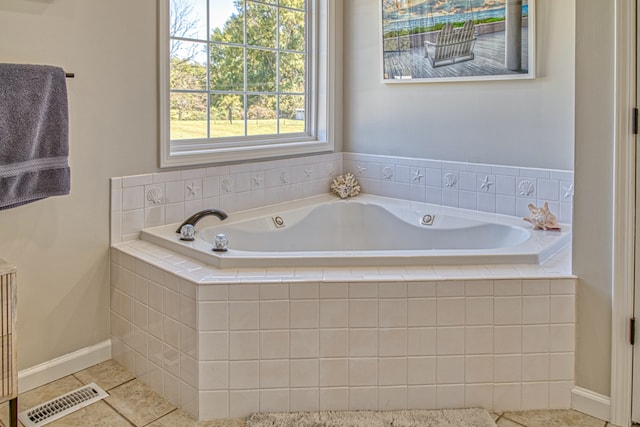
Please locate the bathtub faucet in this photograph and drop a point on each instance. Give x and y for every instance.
(193, 219)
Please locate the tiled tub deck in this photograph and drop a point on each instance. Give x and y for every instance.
(226, 343)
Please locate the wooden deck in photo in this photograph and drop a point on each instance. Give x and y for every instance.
(489, 60)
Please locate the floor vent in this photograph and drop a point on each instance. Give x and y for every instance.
(60, 406)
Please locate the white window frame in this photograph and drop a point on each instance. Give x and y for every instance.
(321, 94)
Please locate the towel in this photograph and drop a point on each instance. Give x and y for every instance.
(34, 134)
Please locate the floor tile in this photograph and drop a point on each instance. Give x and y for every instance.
(179, 418)
(47, 392)
(504, 422)
(40, 395)
(138, 403)
(107, 375)
(98, 414)
(553, 418)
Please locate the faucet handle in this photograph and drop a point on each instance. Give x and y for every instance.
(187, 233)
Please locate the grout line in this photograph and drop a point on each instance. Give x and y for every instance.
(508, 419)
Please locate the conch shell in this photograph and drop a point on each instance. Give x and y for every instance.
(542, 218)
(345, 186)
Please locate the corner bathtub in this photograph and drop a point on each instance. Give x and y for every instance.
(366, 230)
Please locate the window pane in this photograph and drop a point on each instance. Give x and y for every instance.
(292, 30)
(227, 68)
(186, 19)
(292, 72)
(297, 4)
(227, 112)
(188, 66)
(226, 21)
(261, 70)
(261, 25)
(261, 115)
(188, 115)
(292, 114)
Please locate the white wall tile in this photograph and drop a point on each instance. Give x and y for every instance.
(243, 315)
(274, 314)
(274, 400)
(450, 370)
(303, 343)
(334, 372)
(303, 373)
(274, 373)
(244, 345)
(450, 340)
(535, 338)
(392, 342)
(334, 313)
(392, 398)
(449, 396)
(334, 399)
(421, 370)
(478, 369)
(478, 396)
(243, 403)
(274, 344)
(421, 341)
(363, 399)
(562, 337)
(507, 339)
(450, 311)
(392, 371)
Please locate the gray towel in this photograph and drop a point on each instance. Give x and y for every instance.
(34, 134)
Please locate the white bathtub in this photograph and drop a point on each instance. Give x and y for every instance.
(367, 230)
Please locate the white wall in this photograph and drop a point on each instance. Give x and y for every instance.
(61, 245)
(592, 239)
(518, 123)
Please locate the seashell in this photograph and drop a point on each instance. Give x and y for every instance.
(227, 185)
(387, 173)
(154, 196)
(542, 218)
(284, 177)
(526, 188)
(450, 180)
(345, 186)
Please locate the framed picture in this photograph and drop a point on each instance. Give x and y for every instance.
(457, 40)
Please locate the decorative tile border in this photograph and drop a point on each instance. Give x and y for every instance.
(488, 188)
(149, 200)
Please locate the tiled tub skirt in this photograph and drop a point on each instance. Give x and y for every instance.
(226, 343)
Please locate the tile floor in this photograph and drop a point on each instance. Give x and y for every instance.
(132, 403)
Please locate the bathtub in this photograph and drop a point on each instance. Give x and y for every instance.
(325, 231)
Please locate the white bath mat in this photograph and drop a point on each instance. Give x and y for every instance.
(413, 418)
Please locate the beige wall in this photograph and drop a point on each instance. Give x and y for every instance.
(592, 247)
(61, 245)
(519, 123)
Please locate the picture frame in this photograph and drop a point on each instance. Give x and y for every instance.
(457, 40)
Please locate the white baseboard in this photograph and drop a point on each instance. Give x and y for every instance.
(54, 369)
(591, 403)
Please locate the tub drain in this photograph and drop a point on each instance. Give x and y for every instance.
(428, 219)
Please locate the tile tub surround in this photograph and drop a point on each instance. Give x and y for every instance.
(505, 190)
(225, 343)
(150, 200)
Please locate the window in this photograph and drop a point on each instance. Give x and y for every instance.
(244, 79)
